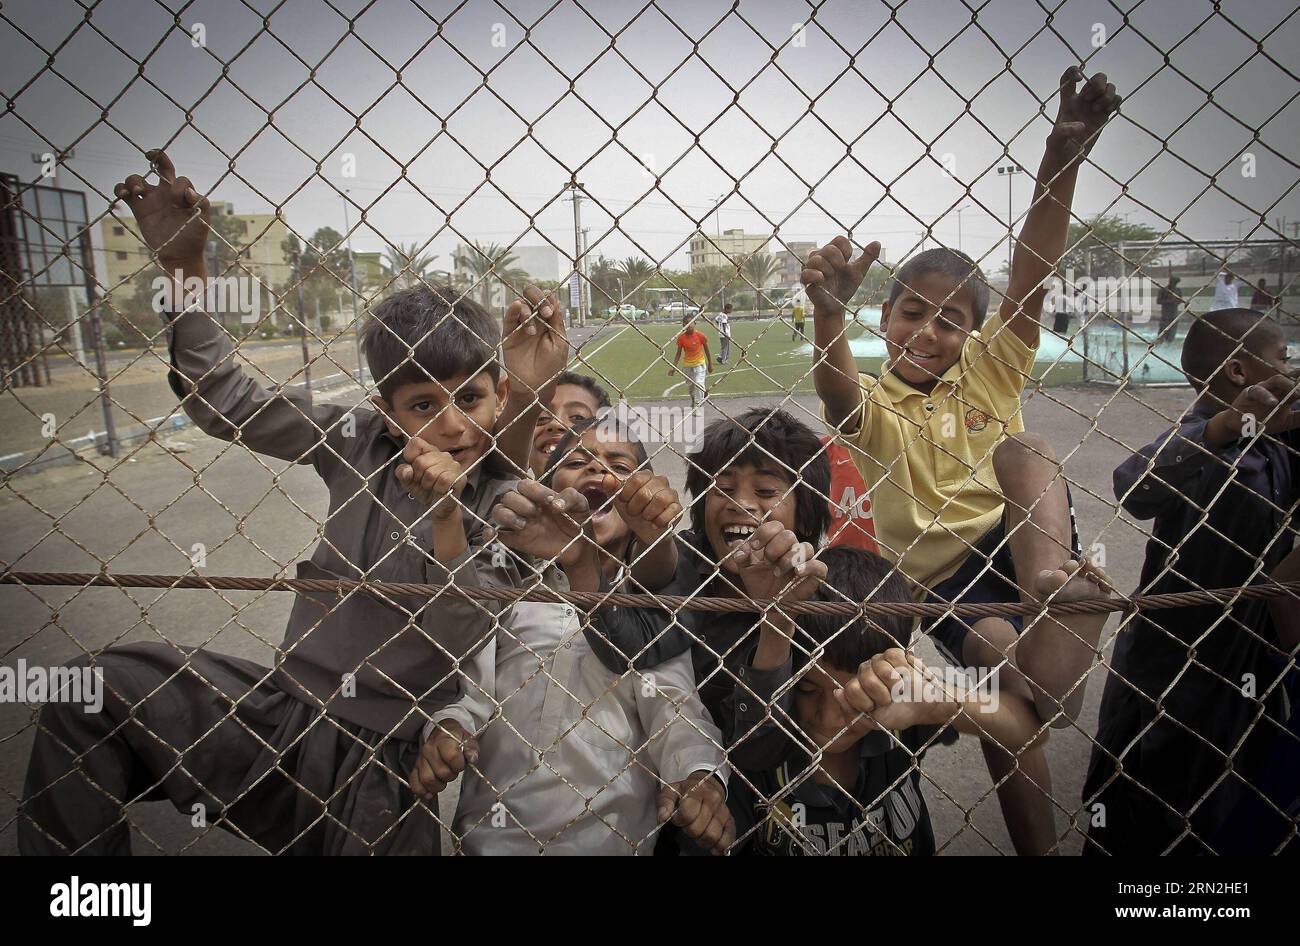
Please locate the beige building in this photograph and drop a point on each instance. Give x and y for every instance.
(259, 238)
(790, 258)
(709, 250)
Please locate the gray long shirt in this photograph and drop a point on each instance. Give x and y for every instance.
(385, 664)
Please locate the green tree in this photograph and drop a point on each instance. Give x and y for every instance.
(410, 265)
(635, 271)
(604, 275)
(1095, 237)
(489, 264)
(226, 234)
(758, 270)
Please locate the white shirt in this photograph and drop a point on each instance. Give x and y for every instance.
(724, 325)
(1225, 294)
(573, 750)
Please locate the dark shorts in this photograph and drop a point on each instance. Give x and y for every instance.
(987, 576)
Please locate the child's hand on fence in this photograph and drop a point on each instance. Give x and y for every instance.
(771, 559)
(535, 519)
(534, 341)
(432, 477)
(1269, 405)
(831, 276)
(646, 502)
(893, 690)
(443, 757)
(1081, 114)
(698, 805)
(172, 215)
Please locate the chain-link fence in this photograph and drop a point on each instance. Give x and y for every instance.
(599, 523)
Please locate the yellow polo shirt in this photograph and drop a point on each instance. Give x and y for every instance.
(928, 457)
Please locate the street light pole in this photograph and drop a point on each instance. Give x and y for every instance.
(959, 210)
(1009, 170)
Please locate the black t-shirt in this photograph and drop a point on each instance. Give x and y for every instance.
(787, 812)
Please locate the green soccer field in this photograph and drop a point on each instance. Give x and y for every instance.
(632, 360)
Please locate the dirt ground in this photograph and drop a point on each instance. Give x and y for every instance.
(144, 512)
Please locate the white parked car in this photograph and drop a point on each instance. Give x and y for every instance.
(626, 311)
(681, 308)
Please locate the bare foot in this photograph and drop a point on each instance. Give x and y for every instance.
(1059, 649)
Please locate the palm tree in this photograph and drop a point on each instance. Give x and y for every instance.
(635, 271)
(759, 268)
(486, 263)
(605, 276)
(409, 264)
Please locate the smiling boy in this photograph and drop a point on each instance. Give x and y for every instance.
(577, 399)
(310, 756)
(969, 505)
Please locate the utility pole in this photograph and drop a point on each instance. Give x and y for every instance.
(352, 273)
(575, 298)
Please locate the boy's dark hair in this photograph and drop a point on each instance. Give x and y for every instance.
(756, 437)
(957, 266)
(1218, 336)
(429, 333)
(727, 307)
(587, 383)
(608, 419)
(855, 575)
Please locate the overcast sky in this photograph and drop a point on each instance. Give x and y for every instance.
(804, 143)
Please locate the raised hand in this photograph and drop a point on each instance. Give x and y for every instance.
(646, 502)
(548, 525)
(444, 756)
(698, 805)
(1081, 114)
(771, 559)
(534, 342)
(831, 276)
(893, 690)
(432, 477)
(172, 215)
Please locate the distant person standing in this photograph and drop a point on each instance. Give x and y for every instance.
(1169, 305)
(1061, 316)
(724, 334)
(1261, 301)
(1225, 292)
(693, 353)
(797, 313)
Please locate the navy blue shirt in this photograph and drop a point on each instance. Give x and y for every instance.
(1194, 692)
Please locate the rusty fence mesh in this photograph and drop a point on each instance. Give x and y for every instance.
(541, 509)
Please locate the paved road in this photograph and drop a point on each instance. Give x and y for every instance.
(70, 518)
